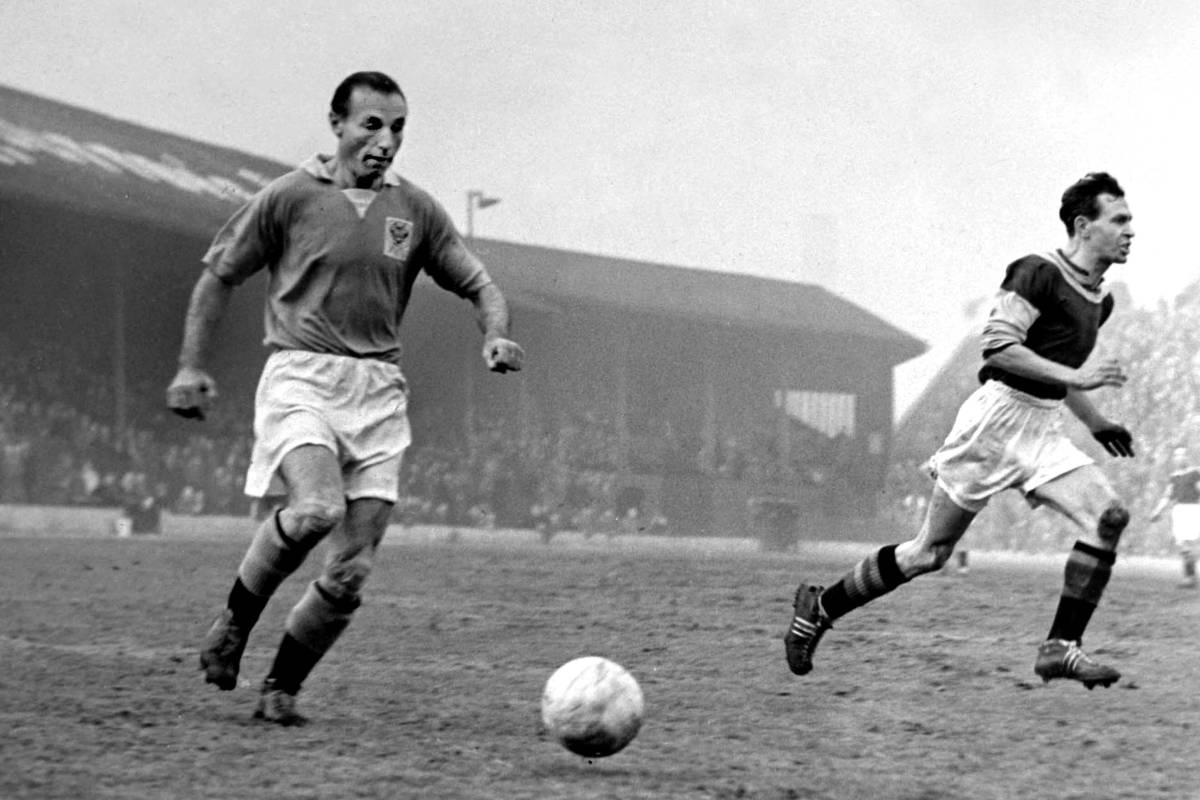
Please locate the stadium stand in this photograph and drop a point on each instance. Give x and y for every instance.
(693, 395)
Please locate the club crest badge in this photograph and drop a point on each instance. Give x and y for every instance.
(397, 238)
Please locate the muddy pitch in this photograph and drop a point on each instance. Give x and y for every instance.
(434, 690)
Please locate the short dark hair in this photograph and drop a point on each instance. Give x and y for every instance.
(378, 81)
(1082, 198)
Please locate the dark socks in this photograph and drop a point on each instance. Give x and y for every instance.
(873, 577)
(1087, 572)
(293, 662)
(245, 604)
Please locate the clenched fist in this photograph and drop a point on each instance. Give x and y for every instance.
(502, 355)
(191, 393)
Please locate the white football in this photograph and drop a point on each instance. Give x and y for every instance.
(592, 706)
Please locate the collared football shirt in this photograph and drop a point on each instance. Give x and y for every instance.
(1045, 304)
(341, 263)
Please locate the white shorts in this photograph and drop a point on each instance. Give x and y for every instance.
(356, 407)
(1004, 439)
(1185, 523)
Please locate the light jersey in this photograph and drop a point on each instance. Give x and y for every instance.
(341, 263)
(1183, 486)
(1045, 304)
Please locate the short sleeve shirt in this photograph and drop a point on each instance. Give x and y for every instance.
(341, 264)
(1044, 304)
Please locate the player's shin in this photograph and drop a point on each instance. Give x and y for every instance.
(271, 557)
(1087, 572)
(871, 578)
(313, 625)
(1189, 568)
(1085, 576)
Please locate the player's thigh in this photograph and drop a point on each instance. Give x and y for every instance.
(312, 474)
(367, 519)
(1081, 495)
(945, 521)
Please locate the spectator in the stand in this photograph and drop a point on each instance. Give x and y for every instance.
(108, 493)
(731, 461)
(139, 504)
(55, 476)
(191, 501)
(87, 480)
(14, 466)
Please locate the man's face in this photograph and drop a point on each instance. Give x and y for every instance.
(370, 134)
(1110, 234)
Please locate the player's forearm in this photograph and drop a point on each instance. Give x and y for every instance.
(1083, 409)
(1160, 507)
(210, 299)
(491, 311)
(1019, 360)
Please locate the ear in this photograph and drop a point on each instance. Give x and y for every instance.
(1082, 223)
(335, 122)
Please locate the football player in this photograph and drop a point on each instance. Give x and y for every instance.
(342, 239)
(1008, 434)
(1182, 497)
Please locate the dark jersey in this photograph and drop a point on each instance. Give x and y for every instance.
(1045, 304)
(1183, 486)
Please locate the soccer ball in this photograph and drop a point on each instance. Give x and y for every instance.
(592, 706)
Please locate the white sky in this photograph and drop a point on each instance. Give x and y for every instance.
(898, 153)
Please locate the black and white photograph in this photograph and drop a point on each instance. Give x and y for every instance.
(589, 399)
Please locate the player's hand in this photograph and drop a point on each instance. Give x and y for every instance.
(1116, 440)
(1105, 373)
(502, 355)
(191, 393)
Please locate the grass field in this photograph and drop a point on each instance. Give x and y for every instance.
(434, 691)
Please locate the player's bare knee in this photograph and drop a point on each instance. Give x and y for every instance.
(941, 554)
(933, 558)
(314, 518)
(1112, 523)
(918, 560)
(344, 580)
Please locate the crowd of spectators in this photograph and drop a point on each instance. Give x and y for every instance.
(1159, 347)
(59, 445)
(502, 476)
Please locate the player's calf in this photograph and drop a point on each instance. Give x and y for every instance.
(313, 625)
(283, 542)
(272, 556)
(1189, 569)
(922, 559)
